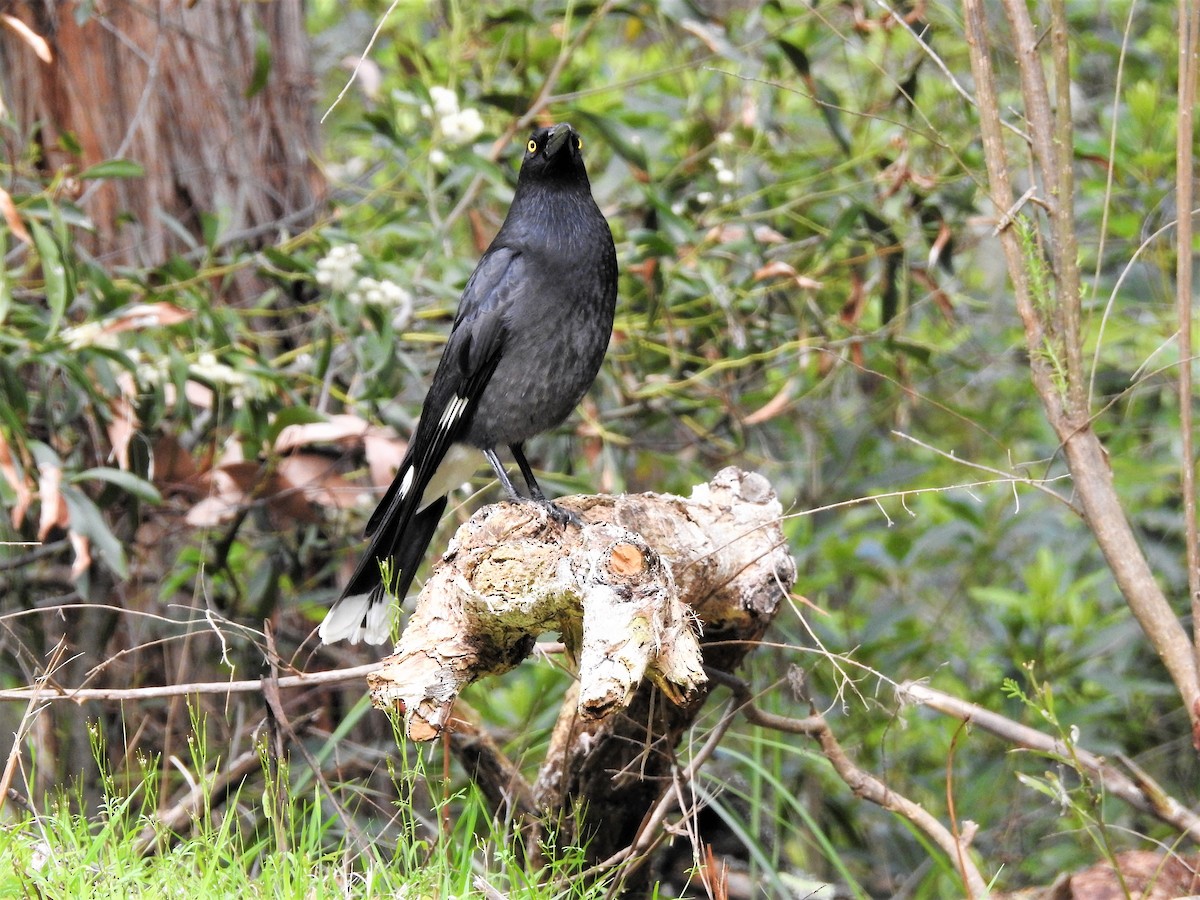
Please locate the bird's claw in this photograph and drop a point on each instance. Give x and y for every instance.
(563, 517)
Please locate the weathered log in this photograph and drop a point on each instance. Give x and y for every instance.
(630, 593)
(512, 573)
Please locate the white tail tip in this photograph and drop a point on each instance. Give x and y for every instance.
(359, 617)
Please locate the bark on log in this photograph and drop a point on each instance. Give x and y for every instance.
(623, 591)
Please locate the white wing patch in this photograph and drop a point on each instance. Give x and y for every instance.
(454, 410)
(407, 482)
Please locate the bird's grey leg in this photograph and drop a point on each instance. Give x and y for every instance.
(505, 482)
(535, 490)
(560, 515)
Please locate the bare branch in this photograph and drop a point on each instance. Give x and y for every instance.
(862, 783)
(83, 695)
(1063, 394)
(1189, 45)
(1140, 791)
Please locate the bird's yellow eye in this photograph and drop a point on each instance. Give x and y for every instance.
(531, 146)
(578, 143)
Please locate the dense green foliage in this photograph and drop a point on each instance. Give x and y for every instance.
(810, 289)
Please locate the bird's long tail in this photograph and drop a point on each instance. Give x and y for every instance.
(361, 613)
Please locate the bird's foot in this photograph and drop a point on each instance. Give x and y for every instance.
(563, 517)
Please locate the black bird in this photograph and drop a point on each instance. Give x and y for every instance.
(532, 328)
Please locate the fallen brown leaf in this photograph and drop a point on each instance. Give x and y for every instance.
(29, 36)
(172, 465)
(123, 424)
(145, 315)
(779, 269)
(315, 477)
(83, 553)
(342, 428)
(11, 217)
(54, 505)
(17, 481)
(233, 485)
(774, 406)
(384, 455)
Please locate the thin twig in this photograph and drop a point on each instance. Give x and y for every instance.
(1107, 206)
(1038, 483)
(1066, 239)
(916, 492)
(361, 59)
(271, 685)
(83, 695)
(37, 696)
(650, 831)
(862, 783)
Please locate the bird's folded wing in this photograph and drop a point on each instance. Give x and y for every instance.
(472, 352)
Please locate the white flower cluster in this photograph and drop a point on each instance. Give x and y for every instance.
(724, 175)
(386, 295)
(336, 269)
(208, 367)
(458, 126)
(90, 334)
(149, 370)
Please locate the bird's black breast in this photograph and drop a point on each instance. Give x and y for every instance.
(557, 319)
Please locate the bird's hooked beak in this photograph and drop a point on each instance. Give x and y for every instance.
(559, 135)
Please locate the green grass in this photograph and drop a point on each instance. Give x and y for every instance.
(253, 844)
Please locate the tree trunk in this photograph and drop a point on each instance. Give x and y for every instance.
(213, 100)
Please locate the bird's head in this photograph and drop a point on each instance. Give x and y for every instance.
(554, 154)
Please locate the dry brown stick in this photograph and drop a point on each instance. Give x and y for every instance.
(83, 695)
(1189, 46)
(1061, 154)
(507, 790)
(1140, 791)
(651, 830)
(862, 783)
(271, 686)
(37, 696)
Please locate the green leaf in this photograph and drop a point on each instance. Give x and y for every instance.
(796, 56)
(86, 519)
(383, 125)
(512, 103)
(919, 352)
(262, 66)
(282, 262)
(58, 212)
(114, 168)
(54, 275)
(127, 481)
(68, 142)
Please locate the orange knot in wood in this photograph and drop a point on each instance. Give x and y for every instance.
(626, 560)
